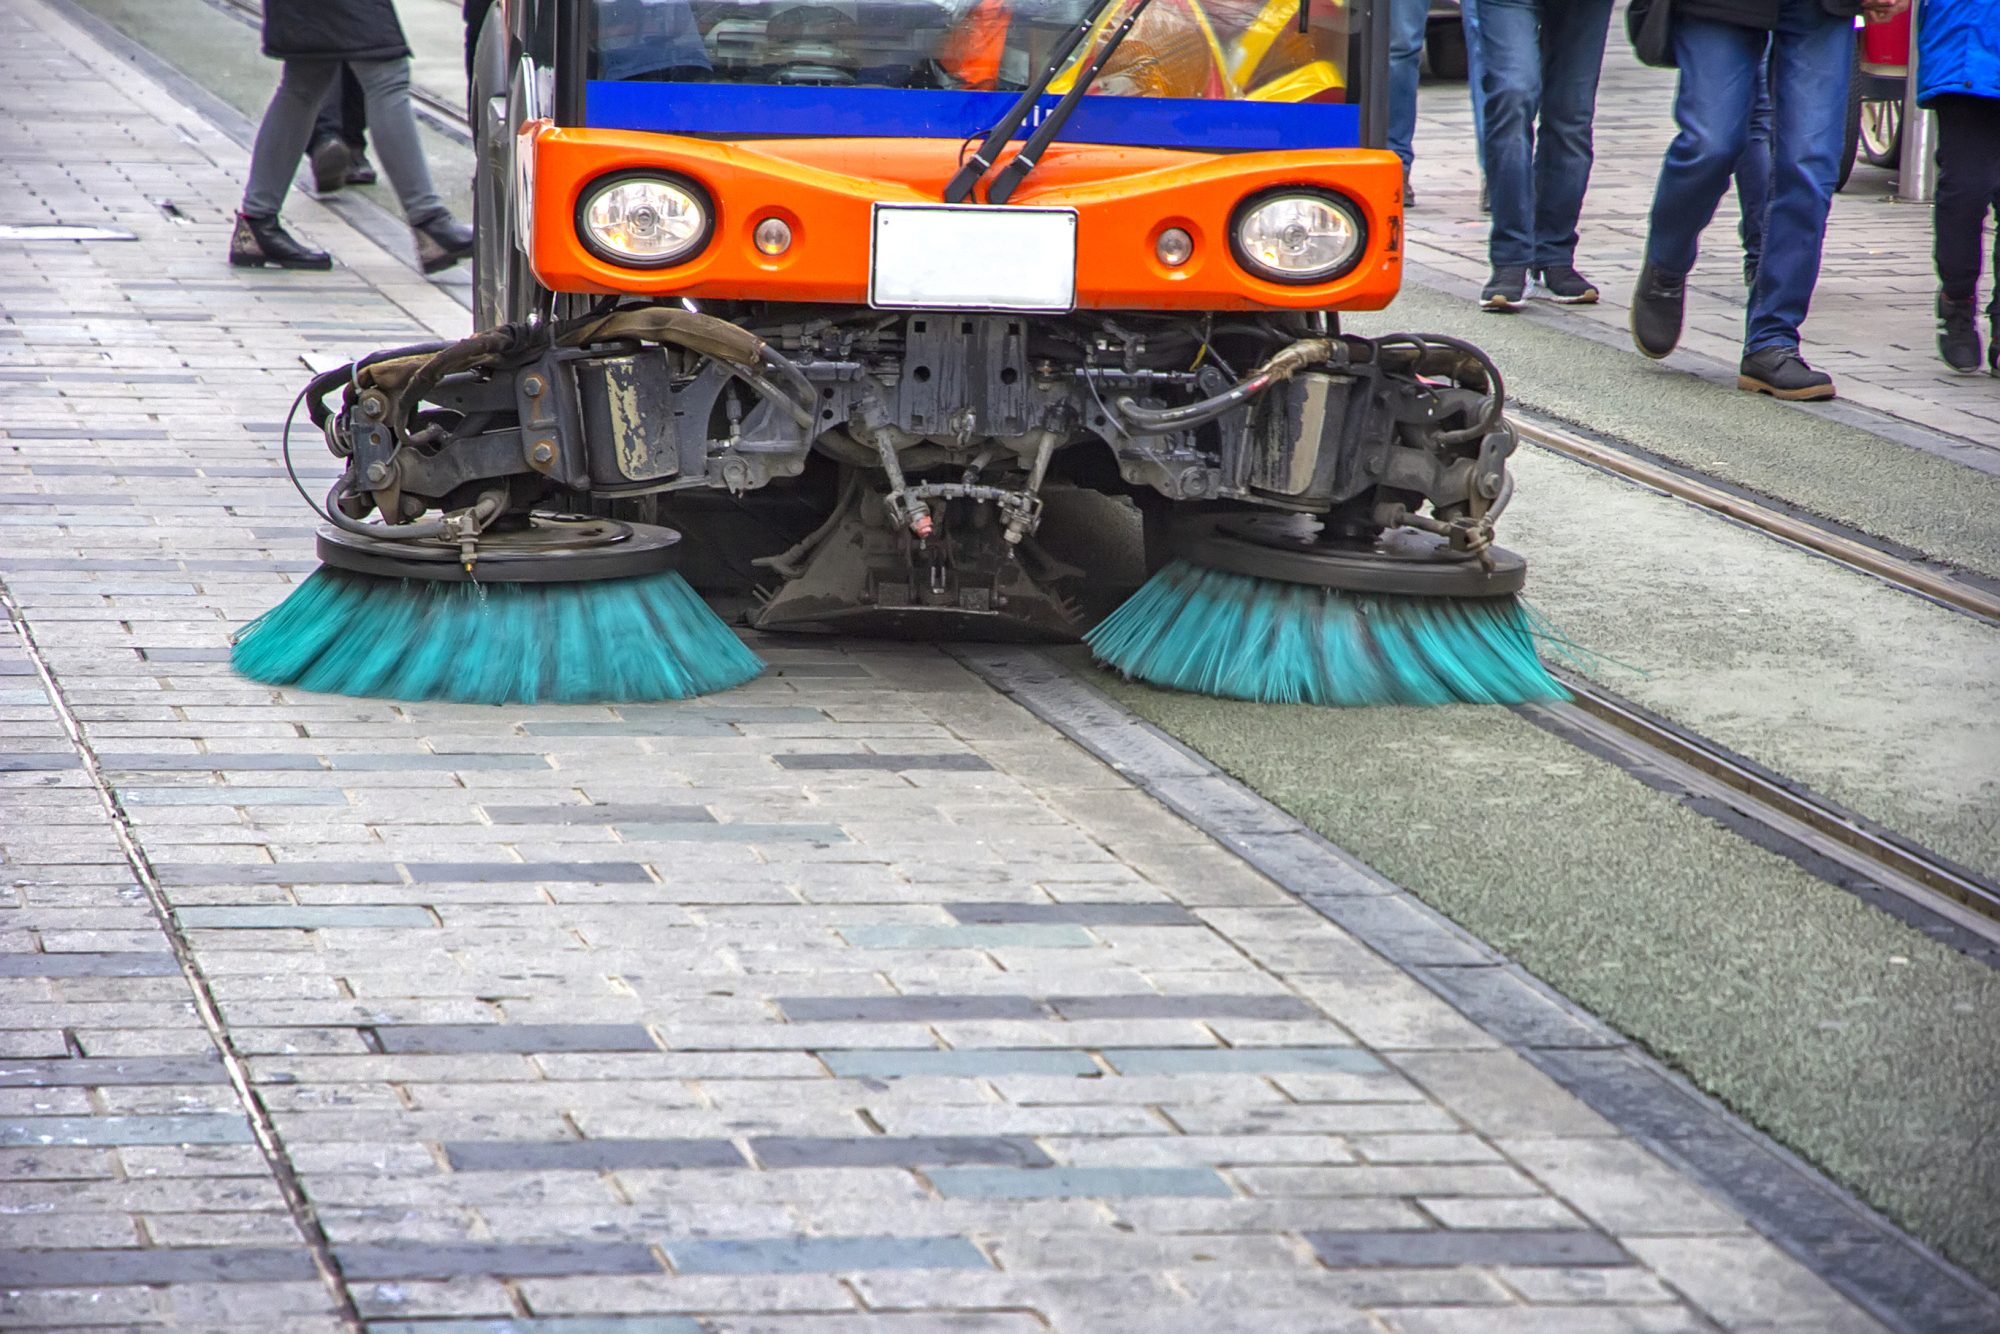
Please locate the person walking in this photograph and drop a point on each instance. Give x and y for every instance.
(1539, 62)
(1958, 76)
(313, 38)
(1718, 45)
(1407, 21)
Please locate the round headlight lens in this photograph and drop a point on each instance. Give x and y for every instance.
(644, 221)
(1298, 238)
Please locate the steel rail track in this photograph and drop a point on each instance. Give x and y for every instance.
(1904, 572)
(1639, 741)
(1642, 741)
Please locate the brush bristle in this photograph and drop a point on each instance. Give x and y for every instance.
(646, 638)
(1240, 637)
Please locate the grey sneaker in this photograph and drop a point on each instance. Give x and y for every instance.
(1506, 291)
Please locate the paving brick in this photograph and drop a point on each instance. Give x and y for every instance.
(1081, 914)
(118, 1267)
(358, 916)
(1063, 1182)
(977, 1063)
(591, 1155)
(454, 1039)
(586, 873)
(98, 1072)
(1448, 1249)
(1240, 1060)
(498, 1259)
(776, 1151)
(953, 763)
(605, 1324)
(109, 1130)
(901, 1009)
(734, 832)
(1183, 1007)
(793, 1255)
(599, 813)
(134, 963)
(967, 937)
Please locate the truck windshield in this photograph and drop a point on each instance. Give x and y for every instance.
(1213, 50)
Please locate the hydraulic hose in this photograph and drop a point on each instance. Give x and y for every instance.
(1284, 365)
(1496, 397)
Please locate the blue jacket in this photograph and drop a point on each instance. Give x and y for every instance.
(1958, 48)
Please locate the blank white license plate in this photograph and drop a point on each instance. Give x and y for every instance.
(967, 257)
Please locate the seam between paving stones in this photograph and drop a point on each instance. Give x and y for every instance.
(1890, 1274)
(269, 1143)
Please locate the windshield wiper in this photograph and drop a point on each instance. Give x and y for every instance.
(996, 138)
(1024, 161)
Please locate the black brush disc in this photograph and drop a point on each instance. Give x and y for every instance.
(548, 549)
(1401, 562)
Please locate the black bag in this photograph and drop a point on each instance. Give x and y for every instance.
(1650, 25)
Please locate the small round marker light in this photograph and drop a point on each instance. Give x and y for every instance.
(1174, 248)
(773, 236)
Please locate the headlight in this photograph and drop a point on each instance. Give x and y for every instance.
(1298, 236)
(645, 222)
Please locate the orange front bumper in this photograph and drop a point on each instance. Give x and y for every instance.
(825, 190)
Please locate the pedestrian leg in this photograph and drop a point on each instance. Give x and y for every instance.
(1573, 37)
(1511, 59)
(274, 159)
(1811, 59)
(1406, 48)
(1753, 177)
(1968, 187)
(1718, 64)
(441, 239)
(1469, 19)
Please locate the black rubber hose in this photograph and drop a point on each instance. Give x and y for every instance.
(1496, 399)
(1286, 363)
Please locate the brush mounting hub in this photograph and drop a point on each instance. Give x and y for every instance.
(547, 549)
(1293, 549)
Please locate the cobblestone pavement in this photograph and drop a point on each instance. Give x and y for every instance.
(1872, 324)
(856, 999)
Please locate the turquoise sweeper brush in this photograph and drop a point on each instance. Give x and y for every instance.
(1329, 624)
(556, 610)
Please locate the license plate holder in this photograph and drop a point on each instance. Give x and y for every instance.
(972, 257)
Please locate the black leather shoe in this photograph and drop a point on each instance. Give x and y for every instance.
(360, 171)
(1657, 302)
(1782, 373)
(442, 242)
(330, 160)
(1958, 336)
(260, 241)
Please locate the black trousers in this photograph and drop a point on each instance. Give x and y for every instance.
(344, 113)
(1968, 188)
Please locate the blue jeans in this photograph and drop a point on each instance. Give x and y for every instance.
(1753, 174)
(1812, 54)
(1406, 47)
(1468, 17)
(1539, 62)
